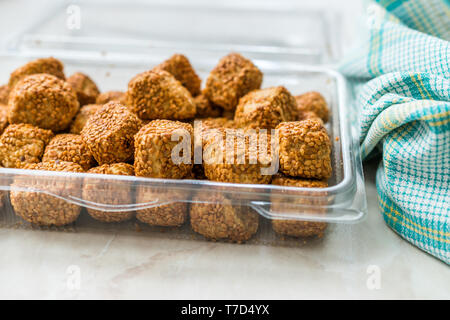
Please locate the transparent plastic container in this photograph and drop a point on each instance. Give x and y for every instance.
(296, 49)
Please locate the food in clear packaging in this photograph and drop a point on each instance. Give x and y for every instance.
(22, 144)
(104, 192)
(151, 135)
(42, 207)
(297, 228)
(169, 211)
(217, 218)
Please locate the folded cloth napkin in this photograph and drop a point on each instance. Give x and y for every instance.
(401, 78)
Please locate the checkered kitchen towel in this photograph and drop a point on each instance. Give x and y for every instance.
(401, 76)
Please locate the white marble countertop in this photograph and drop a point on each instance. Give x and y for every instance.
(43, 264)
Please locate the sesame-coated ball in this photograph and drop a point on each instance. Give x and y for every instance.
(203, 130)
(109, 133)
(85, 88)
(82, 117)
(309, 115)
(44, 208)
(216, 123)
(105, 192)
(209, 126)
(180, 67)
(266, 108)
(297, 228)
(159, 144)
(205, 109)
(44, 101)
(4, 94)
(237, 156)
(120, 169)
(314, 102)
(232, 78)
(158, 95)
(3, 117)
(70, 148)
(109, 96)
(304, 149)
(171, 212)
(50, 66)
(217, 218)
(22, 144)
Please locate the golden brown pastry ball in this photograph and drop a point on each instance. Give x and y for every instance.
(157, 94)
(50, 66)
(217, 218)
(82, 117)
(4, 94)
(297, 228)
(180, 67)
(106, 192)
(309, 115)
(232, 78)
(217, 123)
(108, 96)
(70, 148)
(3, 117)
(44, 101)
(22, 144)
(109, 133)
(42, 208)
(210, 126)
(236, 156)
(313, 102)
(170, 211)
(266, 108)
(154, 149)
(304, 149)
(86, 89)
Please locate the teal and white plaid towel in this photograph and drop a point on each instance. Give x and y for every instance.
(402, 81)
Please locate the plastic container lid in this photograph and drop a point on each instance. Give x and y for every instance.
(264, 31)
